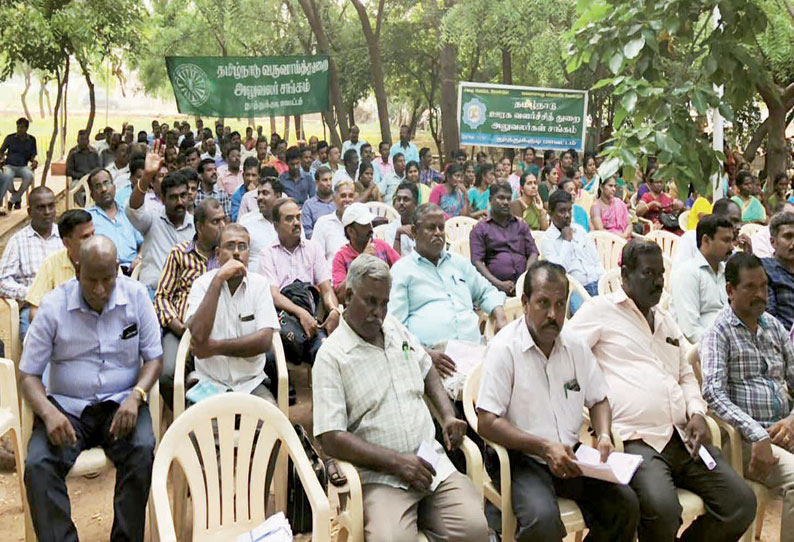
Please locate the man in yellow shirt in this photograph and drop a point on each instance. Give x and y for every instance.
(74, 227)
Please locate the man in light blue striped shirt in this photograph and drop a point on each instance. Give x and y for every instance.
(93, 332)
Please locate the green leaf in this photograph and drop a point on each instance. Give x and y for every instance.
(616, 62)
(710, 65)
(602, 83)
(633, 48)
(667, 143)
(629, 101)
(620, 115)
(699, 101)
(609, 167)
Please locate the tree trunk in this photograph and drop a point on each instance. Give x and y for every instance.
(272, 124)
(776, 152)
(299, 134)
(65, 109)
(378, 77)
(756, 140)
(91, 98)
(286, 128)
(351, 115)
(507, 66)
(51, 149)
(25, 93)
(335, 114)
(449, 100)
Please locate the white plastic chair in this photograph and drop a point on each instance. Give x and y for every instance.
(14, 345)
(750, 229)
(573, 286)
(10, 423)
(458, 227)
(384, 210)
(93, 461)
(462, 247)
(683, 220)
(666, 240)
(73, 190)
(513, 310)
(228, 495)
(609, 247)
(502, 498)
(538, 236)
(379, 232)
(136, 273)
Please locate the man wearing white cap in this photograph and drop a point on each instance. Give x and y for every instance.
(357, 224)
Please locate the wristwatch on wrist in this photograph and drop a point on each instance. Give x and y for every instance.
(141, 393)
(602, 435)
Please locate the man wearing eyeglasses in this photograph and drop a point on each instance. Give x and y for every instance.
(111, 221)
(231, 318)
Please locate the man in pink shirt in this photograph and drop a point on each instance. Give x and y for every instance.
(297, 270)
(383, 163)
(657, 408)
(230, 176)
(357, 222)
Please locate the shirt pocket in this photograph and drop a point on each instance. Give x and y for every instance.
(126, 343)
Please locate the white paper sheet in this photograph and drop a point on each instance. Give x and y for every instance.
(276, 528)
(619, 468)
(439, 461)
(466, 357)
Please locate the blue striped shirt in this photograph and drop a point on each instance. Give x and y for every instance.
(126, 238)
(89, 357)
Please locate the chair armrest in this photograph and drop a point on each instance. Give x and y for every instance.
(179, 373)
(9, 397)
(716, 438)
(474, 463)
(347, 502)
(156, 411)
(15, 346)
(282, 374)
(734, 442)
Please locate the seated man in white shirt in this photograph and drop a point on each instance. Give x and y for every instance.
(328, 230)
(657, 407)
(400, 232)
(231, 318)
(698, 285)
(259, 223)
(369, 388)
(521, 405)
(687, 244)
(567, 244)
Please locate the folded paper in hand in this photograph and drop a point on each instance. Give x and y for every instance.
(275, 529)
(619, 468)
(439, 461)
(466, 357)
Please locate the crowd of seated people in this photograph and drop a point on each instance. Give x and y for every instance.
(232, 239)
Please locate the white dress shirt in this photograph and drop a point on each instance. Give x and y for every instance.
(249, 310)
(330, 235)
(541, 396)
(698, 295)
(578, 256)
(262, 234)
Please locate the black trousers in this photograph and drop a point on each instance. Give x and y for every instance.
(47, 465)
(730, 503)
(611, 511)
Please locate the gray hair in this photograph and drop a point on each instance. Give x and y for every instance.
(426, 209)
(343, 184)
(366, 266)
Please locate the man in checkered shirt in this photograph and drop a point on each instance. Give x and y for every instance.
(748, 370)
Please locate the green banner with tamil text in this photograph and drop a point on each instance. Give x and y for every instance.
(519, 117)
(249, 86)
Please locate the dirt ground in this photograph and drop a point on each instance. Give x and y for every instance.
(92, 500)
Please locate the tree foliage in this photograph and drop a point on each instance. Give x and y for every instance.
(664, 60)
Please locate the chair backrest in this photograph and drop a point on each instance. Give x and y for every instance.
(693, 357)
(520, 284)
(750, 229)
(537, 236)
(609, 281)
(458, 227)
(574, 286)
(379, 232)
(461, 246)
(227, 474)
(76, 187)
(136, 273)
(9, 398)
(381, 209)
(683, 220)
(609, 247)
(513, 310)
(470, 390)
(666, 240)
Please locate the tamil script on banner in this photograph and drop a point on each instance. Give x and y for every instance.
(518, 117)
(249, 86)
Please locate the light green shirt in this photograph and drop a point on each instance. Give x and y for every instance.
(698, 295)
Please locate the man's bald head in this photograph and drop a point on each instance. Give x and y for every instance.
(97, 271)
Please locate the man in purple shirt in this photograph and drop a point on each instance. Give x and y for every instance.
(502, 247)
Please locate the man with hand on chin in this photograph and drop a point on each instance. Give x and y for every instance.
(231, 318)
(92, 332)
(535, 383)
(368, 385)
(657, 406)
(748, 370)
